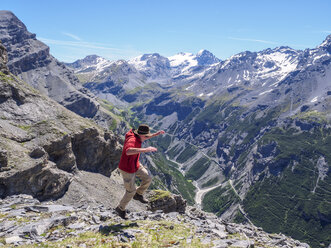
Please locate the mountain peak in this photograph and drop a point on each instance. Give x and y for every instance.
(326, 45)
(88, 61)
(150, 56)
(12, 28)
(204, 57)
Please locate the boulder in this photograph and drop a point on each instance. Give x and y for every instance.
(167, 202)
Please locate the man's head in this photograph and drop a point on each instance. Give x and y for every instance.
(143, 132)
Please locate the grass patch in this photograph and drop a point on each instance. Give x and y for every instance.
(198, 168)
(159, 194)
(219, 200)
(188, 153)
(295, 204)
(173, 178)
(152, 234)
(6, 78)
(210, 182)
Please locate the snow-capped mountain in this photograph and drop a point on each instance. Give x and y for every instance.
(89, 63)
(263, 70)
(153, 66)
(150, 67)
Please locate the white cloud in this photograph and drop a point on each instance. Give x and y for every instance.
(82, 44)
(253, 40)
(75, 37)
(73, 50)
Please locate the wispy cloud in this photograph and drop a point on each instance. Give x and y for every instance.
(78, 49)
(253, 40)
(326, 31)
(75, 37)
(81, 44)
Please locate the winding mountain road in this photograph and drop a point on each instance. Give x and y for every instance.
(201, 192)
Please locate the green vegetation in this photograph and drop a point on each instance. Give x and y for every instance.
(6, 78)
(150, 234)
(158, 194)
(25, 127)
(239, 218)
(198, 168)
(311, 116)
(113, 125)
(163, 142)
(173, 152)
(107, 105)
(307, 144)
(188, 153)
(174, 177)
(219, 200)
(295, 204)
(209, 183)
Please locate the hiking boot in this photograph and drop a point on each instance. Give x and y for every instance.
(121, 213)
(140, 198)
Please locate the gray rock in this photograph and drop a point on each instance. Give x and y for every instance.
(14, 240)
(79, 225)
(63, 220)
(36, 229)
(167, 203)
(243, 244)
(231, 229)
(220, 244)
(96, 219)
(29, 59)
(7, 226)
(56, 142)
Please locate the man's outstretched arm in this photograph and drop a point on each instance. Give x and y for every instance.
(134, 151)
(156, 134)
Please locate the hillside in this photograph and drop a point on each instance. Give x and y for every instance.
(258, 120)
(247, 138)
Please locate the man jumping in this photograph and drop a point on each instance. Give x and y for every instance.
(130, 167)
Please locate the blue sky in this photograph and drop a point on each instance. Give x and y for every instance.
(124, 29)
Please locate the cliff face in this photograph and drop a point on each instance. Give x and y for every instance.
(30, 60)
(43, 145)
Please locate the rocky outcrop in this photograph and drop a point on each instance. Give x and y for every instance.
(3, 59)
(166, 202)
(30, 60)
(42, 144)
(24, 220)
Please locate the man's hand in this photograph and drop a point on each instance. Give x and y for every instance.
(151, 149)
(159, 132)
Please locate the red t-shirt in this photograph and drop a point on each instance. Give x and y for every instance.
(130, 163)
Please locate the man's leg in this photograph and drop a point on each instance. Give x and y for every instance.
(146, 180)
(130, 189)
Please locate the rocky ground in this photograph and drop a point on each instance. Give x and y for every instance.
(26, 222)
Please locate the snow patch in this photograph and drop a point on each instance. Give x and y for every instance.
(265, 92)
(183, 59)
(314, 99)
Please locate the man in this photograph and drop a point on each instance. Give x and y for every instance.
(130, 167)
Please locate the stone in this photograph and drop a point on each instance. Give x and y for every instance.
(220, 244)
(106, 215)
(162, 200)
(243, 244)
(13, 240)
(63, 220)
(36, 229)
(231, 230)
(220, 234)
(96, 219)
(79, 225)
(3, 158)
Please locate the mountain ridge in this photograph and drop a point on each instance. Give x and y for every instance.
(231, 121)
(256, 125)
